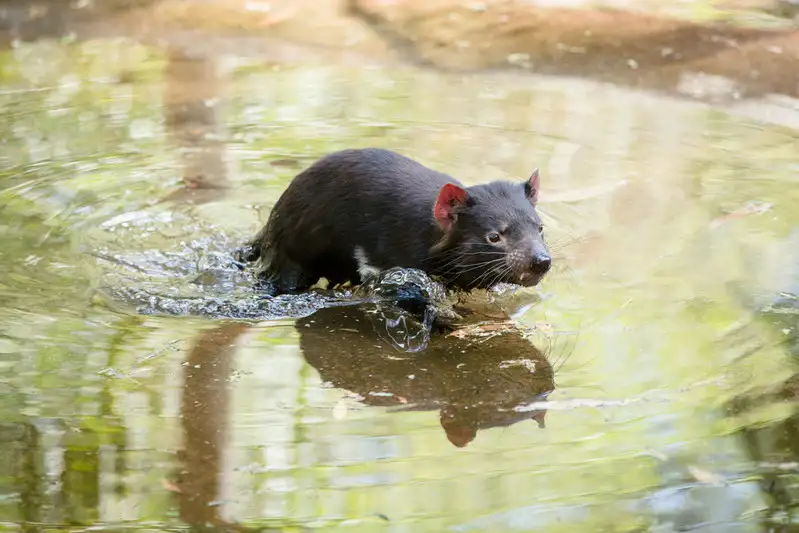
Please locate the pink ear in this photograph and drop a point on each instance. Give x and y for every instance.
(450, 197)
(531, 187)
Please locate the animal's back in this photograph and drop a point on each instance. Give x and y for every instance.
(356, 206)
(373, 177)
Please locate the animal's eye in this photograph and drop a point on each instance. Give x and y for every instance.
(540, 228)
(493, 237)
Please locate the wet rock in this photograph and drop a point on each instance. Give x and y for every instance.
(411, 290)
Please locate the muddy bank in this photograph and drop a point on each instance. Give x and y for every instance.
(276, 31)
(633, 48)
(630, 48)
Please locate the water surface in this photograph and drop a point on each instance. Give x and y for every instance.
(652, 395)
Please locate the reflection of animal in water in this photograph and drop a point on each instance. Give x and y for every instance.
(475, 382)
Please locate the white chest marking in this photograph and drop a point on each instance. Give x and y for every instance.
(365, 270)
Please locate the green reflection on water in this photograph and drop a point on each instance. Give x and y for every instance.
(650, 313)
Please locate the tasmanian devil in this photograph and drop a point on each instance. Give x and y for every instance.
(356, 212)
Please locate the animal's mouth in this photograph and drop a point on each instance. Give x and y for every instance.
(529, 279)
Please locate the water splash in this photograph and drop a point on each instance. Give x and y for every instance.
(203, 278)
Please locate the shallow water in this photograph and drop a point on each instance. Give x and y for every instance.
(655, 395)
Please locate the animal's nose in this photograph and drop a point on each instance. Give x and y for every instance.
(541, 263)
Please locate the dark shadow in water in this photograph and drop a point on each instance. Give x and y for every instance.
(774, 447)
(80, 480)
(21, 445)
(192, 99)
(474, 382)
(774, 450)
(205, 420)
(29, 474)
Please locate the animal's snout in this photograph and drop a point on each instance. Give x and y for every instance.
(540, 264)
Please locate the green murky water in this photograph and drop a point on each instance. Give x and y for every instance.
(669, 322)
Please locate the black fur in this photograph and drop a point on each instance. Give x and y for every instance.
(383, 203)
